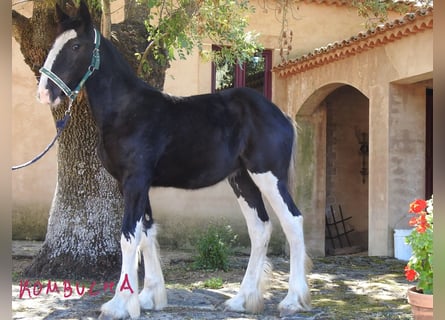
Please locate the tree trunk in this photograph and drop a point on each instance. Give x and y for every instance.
(82, 239)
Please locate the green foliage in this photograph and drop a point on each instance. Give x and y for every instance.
(214, 247)
(422, 261)
(376, 11)
(96, 4)
(213, 283)
(177, 27)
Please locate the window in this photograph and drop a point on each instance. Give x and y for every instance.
(255, 74)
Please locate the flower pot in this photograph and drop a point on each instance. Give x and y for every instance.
(421, 304)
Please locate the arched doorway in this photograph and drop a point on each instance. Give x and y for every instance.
(347, 131)
(331, 170)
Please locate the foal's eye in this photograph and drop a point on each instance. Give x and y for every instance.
(75, 47)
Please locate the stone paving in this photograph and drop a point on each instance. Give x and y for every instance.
(342, 287)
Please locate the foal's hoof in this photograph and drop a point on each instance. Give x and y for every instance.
(286, 312)
(252, 303)
(104, 316)
(107, 316)
(235, 304)
(120, 308)
(287, 307)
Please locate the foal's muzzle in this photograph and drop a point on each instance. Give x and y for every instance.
(47, 96)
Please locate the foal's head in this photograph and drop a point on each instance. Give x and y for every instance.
(70, 55)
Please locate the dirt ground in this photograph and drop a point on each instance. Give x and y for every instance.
(342, 287)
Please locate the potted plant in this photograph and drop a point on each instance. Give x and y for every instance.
(420, 264)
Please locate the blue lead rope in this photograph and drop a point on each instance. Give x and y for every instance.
(60, 125)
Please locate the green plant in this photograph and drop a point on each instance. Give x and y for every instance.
(175, 28)
(213, 283)
(214, 247)
(420, 265)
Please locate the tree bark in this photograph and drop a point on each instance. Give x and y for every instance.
(82, 239)
(106, 19)
(83, 233)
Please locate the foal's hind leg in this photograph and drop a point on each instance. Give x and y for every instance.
(250, 295)
(153, 295)
(291, 220)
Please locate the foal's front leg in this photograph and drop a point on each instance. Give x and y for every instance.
(125, 301)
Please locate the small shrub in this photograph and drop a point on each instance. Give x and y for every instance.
(214, 247)
(213, 283)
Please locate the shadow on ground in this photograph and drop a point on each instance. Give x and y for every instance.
(342, 287)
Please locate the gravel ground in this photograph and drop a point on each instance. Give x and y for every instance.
(342, 287)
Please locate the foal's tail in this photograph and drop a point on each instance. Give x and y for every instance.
(292, 183)
(292, 170)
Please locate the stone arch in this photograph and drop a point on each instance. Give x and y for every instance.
(325, 162)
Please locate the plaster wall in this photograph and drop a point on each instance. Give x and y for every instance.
(407, 148)
(310, 185)
(32, 130)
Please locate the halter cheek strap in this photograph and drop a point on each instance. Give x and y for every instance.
(94, 65)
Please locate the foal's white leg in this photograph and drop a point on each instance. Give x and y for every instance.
(298, 297)
(125, 301)
(153, 296)
(250, 295)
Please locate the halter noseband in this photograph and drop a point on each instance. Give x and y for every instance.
(94, 65)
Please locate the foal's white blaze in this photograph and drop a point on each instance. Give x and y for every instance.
(250, 295)
(125, 301)
(298, 298)
(43, 93)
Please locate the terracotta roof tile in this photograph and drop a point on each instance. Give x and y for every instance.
(330, 2)
(349, 2)
(411, 23)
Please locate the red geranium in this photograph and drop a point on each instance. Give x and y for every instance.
(419, 220)
(417, 206)
(420, 265)
(410, 274)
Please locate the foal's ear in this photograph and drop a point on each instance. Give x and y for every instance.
(60, 14)
(84, 14)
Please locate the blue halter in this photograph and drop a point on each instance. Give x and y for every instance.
(94, 65)
(71, 94)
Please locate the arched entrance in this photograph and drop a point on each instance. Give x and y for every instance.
(333, 166)
(347, 131)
